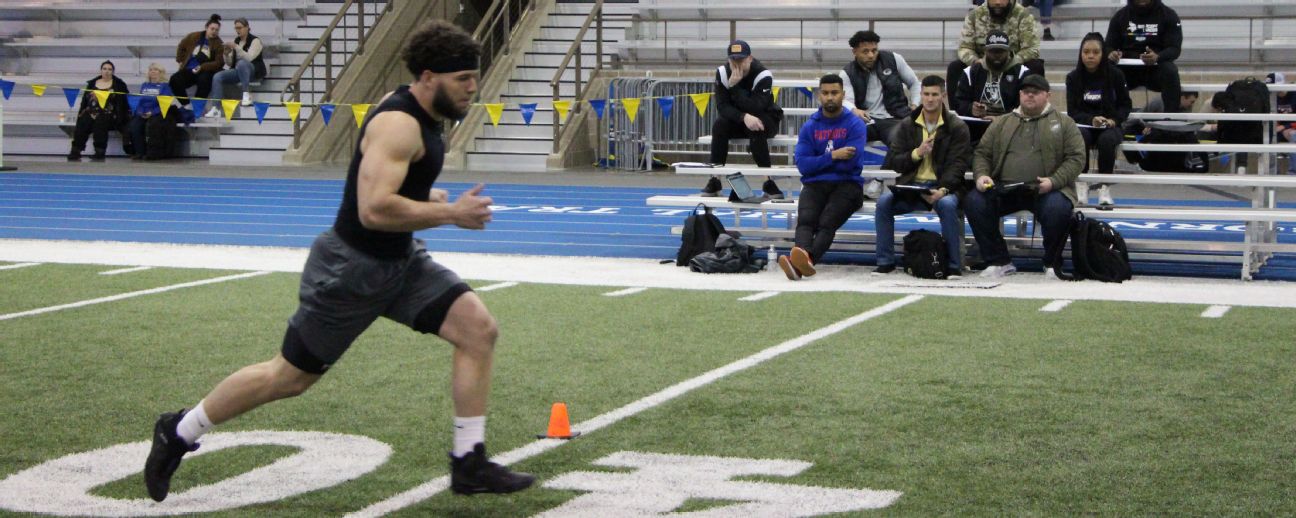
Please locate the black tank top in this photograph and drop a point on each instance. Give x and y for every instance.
(418, 180)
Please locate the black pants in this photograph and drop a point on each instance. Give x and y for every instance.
(823, 208)
(954, 72)
(724, 129)
(153, 136)
(183, 79)
(86, 126)
(882, 130)
(1162, 77)
(984, 209)
(1107, 140)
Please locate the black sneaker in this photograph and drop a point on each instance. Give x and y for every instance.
(712, 188)
(1048, 34)
(165, 456)
(884, 269)
(472, 474)
(771, 189)
(953, 273)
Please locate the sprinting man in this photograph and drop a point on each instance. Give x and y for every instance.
(369, 265)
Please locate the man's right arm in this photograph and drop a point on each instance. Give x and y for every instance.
(724, 102)
(967, 40)
(1115, 41)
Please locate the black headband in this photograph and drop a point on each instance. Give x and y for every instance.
(455, 64)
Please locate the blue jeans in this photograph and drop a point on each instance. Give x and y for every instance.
(888, 207)
(984, 210)
(241, 73)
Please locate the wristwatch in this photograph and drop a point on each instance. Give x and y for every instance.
(944, 191)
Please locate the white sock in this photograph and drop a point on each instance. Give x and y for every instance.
(468, 431)
(194, 424)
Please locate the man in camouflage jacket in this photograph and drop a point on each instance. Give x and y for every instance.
(1003, 15)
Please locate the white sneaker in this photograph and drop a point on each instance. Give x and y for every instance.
(247, 99)
(873, 190)
(1050, 275)
(213, 113)
(996, 271)
(1104, 196)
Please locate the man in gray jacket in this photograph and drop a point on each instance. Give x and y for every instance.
(1027, 160)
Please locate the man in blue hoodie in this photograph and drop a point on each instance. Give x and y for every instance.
(830, 156)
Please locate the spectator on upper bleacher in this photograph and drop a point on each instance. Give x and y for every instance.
(1046, 17)
(1097, 96)
(988, 88)
(244, 54)
(149, 129)
(99, 120)
(745, 108)
(932, 152)
(998, 15)
(1028, 160)
(1286, 103)
(830, 157)
(876, 82)
(200, 56)
(1144, 39)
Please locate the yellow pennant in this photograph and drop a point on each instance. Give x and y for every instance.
(228, 105)
(164, 103)
(700, 101)
(102, 96)
(495, 110)
(631, 107)
(39, 90)
(360, 110)
(563, 107)
(293, 109)
(776, 91)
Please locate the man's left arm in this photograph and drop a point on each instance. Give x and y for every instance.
(1172, 28)
(1073, 159)
(1030, 30)
(958, 157)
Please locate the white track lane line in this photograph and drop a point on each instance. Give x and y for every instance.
(1055, 306)
(430, 488)
(126, 270)
(1216, 311)
(622, 293)
(498, 286)
(760, 296)
(16, 266)
(132, 294)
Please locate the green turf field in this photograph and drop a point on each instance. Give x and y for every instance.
(967, 406)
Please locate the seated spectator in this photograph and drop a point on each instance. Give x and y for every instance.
(200, 57)
(244, 54)
(1097, 96)
(1046, 17)
(876, 81)
(149, 130)
(1286, 129)
(998, 15)
(830, 156)
(744, 101)
(988, 89)
(1028, 160)
(932, 151)
(99, 120)
(1148, 36)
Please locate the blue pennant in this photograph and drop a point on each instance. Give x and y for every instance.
(261, 109)
(71, 94)
(528, 111)
(806, 90)
(667, 104)
(326, 110)
(7, 88)
(199, 107)
(133, 101)
(598, 105)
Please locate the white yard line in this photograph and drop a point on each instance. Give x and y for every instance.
(126, 270)
(1216, 311)
(622, 293)
(760, 296)
(1055, 306)
(498, 286)
(132, 294)
(432, 487)
(16, 266)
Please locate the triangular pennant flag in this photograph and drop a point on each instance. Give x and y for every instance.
(6, 87)
(806, 90)
(260, 109)
(293, 108)
(700, 101)
(326, 111)
(776, 92)
(598, 105)
(71, 94)
(495, 110)
(528, 111)
(133, 101)
(102, 97)
(631, 108)
(359, 111)
(562, 107)
(39, 90)
(199, 106)
(667, 104)
(164, 102)
(228, 106)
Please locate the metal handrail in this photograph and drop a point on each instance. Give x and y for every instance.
(495, 31)
(325, 43)
(576, 50)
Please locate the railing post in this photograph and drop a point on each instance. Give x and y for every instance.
(360, 29)
(508, 15)
(598, 43)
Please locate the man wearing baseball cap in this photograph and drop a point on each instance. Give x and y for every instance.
(744, 101)
(987, 90)
(1027, 160)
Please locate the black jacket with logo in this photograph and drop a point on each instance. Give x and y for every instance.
(1159, 29)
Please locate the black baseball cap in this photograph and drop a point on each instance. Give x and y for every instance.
(739, 49)
(997, 39)
(1035, 81)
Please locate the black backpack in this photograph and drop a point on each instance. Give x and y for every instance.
(925, 255)
(1249, 95)
(1164, 132)
(699, 235)
(731, 255)
(1097, 252)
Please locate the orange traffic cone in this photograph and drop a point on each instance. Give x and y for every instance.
(559, 426)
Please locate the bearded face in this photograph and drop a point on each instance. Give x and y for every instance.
(999, 9)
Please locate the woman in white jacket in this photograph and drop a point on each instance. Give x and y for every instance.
(245, 53)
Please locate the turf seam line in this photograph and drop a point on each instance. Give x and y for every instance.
(132, 294)
(1215, 311)
(16, 266)
(622, 293)
(126, 270)
(759, 296)
(432, 487)
(1055, 306)
(497, 286)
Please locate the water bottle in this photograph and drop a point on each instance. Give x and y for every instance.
(771, 259)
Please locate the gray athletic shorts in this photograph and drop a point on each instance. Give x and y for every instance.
(344, 290)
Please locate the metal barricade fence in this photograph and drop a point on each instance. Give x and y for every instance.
(625, 141)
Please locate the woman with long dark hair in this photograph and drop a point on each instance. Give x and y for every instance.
(98, 120)
(200, 55)
(1098, 100)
